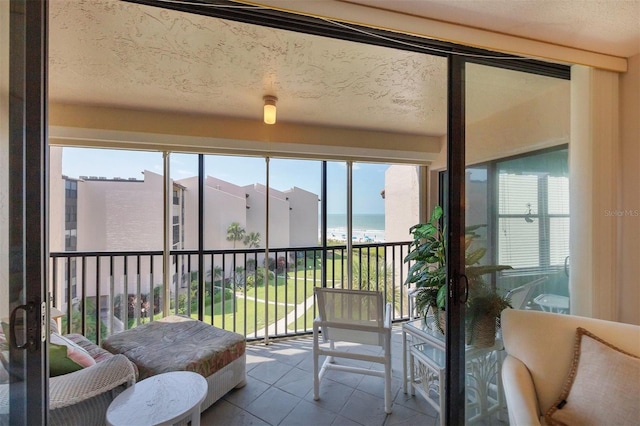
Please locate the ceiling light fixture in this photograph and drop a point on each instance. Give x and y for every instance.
(270, 109)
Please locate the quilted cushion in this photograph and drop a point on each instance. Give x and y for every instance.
(176, 343)
(603, 386)
(96, 352)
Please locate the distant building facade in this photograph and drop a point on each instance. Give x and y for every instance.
(401, 201)
(93, 213)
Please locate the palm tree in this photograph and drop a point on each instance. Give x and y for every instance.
(235, 232)
(215, 274)
(252, 239)
(370, 273)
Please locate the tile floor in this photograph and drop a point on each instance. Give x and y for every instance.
(279, 391)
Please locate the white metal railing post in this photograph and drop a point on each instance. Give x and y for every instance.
(166, 255)
(266, 259)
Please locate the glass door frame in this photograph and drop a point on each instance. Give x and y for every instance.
(455, 252)
(28, 183)
(455, 221)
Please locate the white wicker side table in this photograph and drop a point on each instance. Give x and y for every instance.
(424, 366)
(427, 375)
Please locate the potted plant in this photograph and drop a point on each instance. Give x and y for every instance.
(484, 304)
(428, 272)
(482, 317)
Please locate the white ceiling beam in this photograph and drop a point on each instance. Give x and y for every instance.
(107, 127)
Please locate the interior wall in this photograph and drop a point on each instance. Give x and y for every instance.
(540, 123)
(516, 131)
(56, 192)
(629, 267)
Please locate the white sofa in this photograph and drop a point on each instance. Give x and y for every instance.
(540, 349)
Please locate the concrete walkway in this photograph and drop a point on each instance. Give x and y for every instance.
(281, 324)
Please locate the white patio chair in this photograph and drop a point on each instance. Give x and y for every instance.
(521, 296)
(352, 316)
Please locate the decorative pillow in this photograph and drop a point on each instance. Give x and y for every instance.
(53, 326)
(603, 387)
(66, 356)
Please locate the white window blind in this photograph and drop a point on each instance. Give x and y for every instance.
(533, 211)
(518, 240)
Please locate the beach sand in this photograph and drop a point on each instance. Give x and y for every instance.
(359, 235)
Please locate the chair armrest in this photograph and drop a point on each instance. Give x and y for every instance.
(387, 315)
(72, 388)
(520, 393)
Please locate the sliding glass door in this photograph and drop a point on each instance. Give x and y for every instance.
(491, 111)
(516, 215)
(23, 253)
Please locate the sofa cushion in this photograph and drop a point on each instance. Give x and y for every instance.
(96, 352)
(65, 356)
(601, 375)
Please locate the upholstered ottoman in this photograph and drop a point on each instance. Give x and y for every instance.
(177, 343)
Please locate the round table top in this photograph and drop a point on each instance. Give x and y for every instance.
(163, 398)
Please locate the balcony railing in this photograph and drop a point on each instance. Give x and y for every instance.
(249, 291)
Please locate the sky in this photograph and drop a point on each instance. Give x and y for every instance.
(368, 178)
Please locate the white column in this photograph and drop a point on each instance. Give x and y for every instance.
(629, 291)
(594, 188)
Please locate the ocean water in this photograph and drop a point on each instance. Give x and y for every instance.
(366, 227)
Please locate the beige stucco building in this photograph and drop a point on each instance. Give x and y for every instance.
(127, 215)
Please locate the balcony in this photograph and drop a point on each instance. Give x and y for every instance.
(258, 294)
(279, 391)
(241, 292)
(269, 298)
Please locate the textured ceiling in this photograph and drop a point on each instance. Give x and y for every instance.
(122, 54)
(112, 53)
(604, 26)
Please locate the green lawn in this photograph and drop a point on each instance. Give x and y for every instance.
(254, 312)
(294, 292)
(290, 289)
(301, 324)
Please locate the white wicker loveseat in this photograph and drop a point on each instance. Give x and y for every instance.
(80, 397)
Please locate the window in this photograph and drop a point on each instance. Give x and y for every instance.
(71, 188)
(533, 211)
(176, 235)
(528, 223)
(70, 239)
